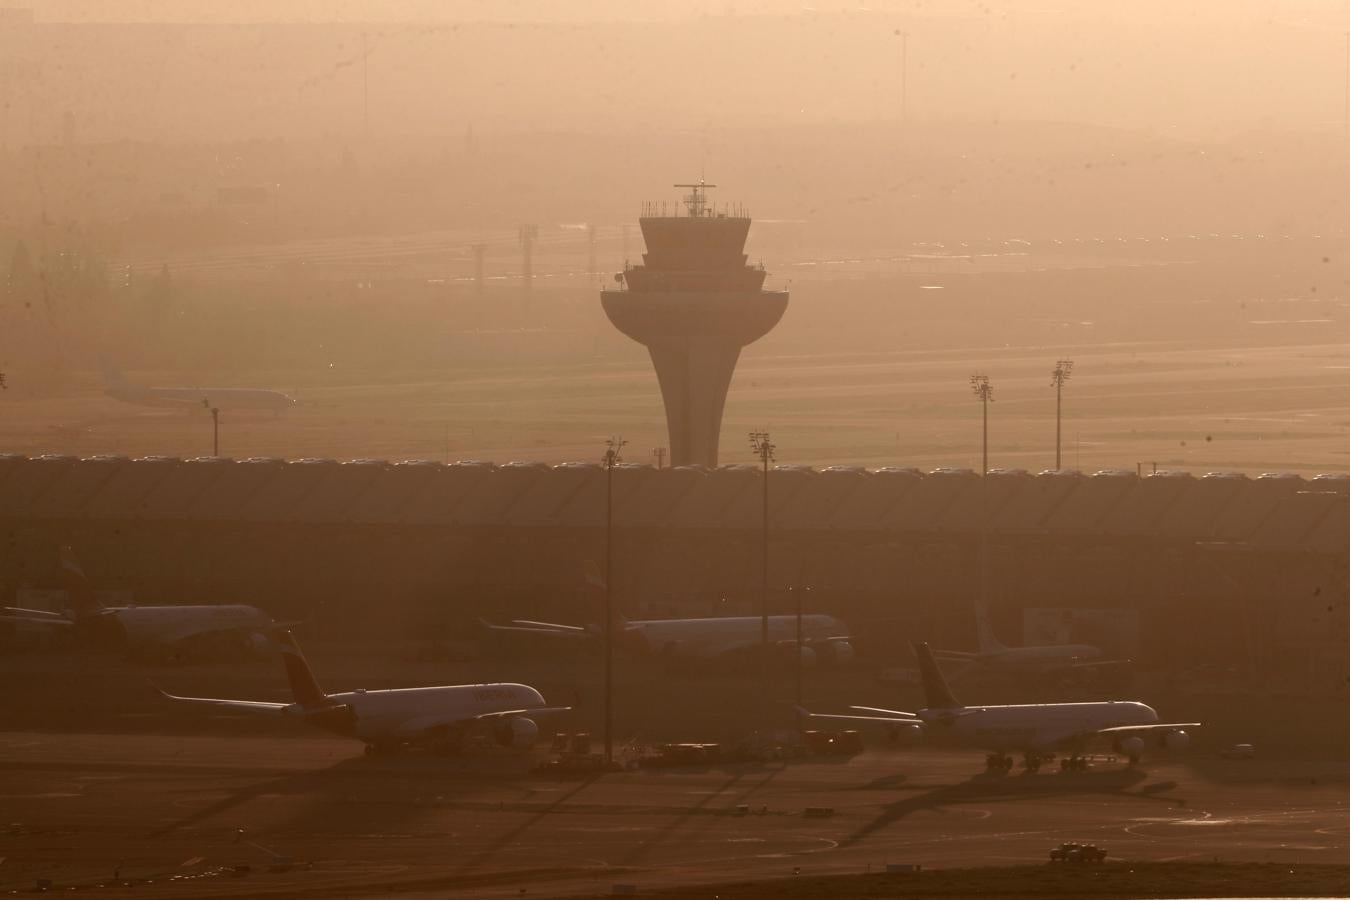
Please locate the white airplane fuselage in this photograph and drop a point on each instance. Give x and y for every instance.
(1030, 656)
(221, 398)
(1036, 727)
(395, 714)
(147, 625)
(718, 635)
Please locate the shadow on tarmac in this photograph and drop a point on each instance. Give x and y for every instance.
(989, 788)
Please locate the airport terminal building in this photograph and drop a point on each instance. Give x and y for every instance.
(1209, 568)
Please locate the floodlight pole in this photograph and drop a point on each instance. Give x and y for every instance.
(611, 459)
(763, 447)
(1063, 368)
(215, 426)
(984, 392)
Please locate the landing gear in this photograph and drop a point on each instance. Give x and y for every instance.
(1134, 760)
(1032, 762)
(998, 762)
(1073, 764)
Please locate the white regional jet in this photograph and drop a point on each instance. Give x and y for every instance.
(144, 630)
(117, 387)
(1036, 730)
(389, 719)
(1050, 658)
(824, 638)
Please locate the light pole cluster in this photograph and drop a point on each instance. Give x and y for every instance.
(983, 390)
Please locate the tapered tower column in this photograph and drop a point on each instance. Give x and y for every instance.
(694, 303)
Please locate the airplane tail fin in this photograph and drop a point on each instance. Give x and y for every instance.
(304, 687)
(937, 695)
(984, 630)
(81, 592)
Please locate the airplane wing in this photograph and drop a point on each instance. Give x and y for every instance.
(888, 712)
(249, 706)
(894, 719)
(427, 727)
(38, 617)
(524, 626)
(512, 713)
(1144, 729)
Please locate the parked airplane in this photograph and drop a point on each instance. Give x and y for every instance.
(824, 638)
(117, 386)
(1037, 730)
(144, 630)
(1047, 659)
(389, 719)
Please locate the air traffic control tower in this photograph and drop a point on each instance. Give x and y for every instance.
(694, 303)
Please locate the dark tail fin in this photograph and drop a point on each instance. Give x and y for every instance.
(304, 687)
(937, 694)
(80, 591)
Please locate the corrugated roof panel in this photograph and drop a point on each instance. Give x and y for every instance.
(335, 494)
(785, 483)
(284, 494)
(1194, 515)
(1027, 509)
(1244, 515)
(174, 497)
(123, 493)
(237, 486)
(67, 497)
(586, 507)
(1293, 519)
(981, 504)
(816, 503)
(704, 506)
(442, 502)
(393, 490)
(541, 504)
(30, 480)
(488, 506)
(1141, 509)
(1332, 534)
(656, 499)
(864, 509)
(923, 507)
(1084, 509)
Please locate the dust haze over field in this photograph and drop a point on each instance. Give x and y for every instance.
(482, 239)
(286, 197)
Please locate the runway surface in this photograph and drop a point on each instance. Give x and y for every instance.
(313, 817)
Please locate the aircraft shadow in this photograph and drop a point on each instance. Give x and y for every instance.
(987, 788)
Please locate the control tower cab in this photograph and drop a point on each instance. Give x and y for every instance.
(694, 303)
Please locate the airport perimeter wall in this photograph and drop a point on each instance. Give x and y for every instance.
(1218, 567)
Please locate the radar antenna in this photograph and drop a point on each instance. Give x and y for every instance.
(696, 201)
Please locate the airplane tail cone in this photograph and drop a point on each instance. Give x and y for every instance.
(937, 694)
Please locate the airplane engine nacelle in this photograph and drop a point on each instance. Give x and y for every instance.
(1132, 746)
(809, 657)
(519, 732)
(1175, 740)
(842, 653)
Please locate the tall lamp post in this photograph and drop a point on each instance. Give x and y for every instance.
(763, 448)
(611, 459)
(215, 426)
(984, 392)
(1063, 369)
